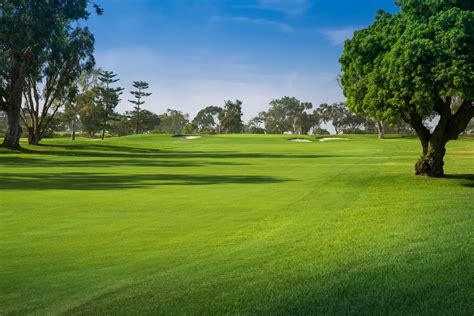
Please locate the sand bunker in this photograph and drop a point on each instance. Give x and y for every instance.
(332, 138)
(300, 140)
(186, 137)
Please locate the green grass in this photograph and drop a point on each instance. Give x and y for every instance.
(235, 224)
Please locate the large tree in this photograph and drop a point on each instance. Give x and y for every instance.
(28, 30)
(139, 94)
(53, 84)
(411, 65)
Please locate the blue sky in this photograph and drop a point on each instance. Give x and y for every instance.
(196, 53)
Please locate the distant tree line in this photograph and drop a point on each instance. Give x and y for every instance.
(90, 101)
(91, 110)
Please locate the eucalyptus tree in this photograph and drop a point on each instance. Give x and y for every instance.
(207, 120)
(412, 64)
(108, 97)
(139, 94)
(256, 125)
(53, 84)
(172, 122)
(231, 117)
(84, 93)
(29, 30)
(288, 114)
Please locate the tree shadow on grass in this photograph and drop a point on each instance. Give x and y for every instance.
(110, 151)
(468, 179)
(32, 162)
(108, 181)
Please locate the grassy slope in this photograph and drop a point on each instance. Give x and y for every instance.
(235, 223)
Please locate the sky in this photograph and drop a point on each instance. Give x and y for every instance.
(196, 53)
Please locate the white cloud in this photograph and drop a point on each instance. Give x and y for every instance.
(289, 7)
(251, 21)
(339, 35)
(193, 82)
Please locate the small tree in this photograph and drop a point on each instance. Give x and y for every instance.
(108, 97)
(172, 122)
(334, 113)
(139, 94)
(207, 120)
(148, 120)
(288, 114)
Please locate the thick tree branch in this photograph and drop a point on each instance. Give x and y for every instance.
(460, 119)
(445, 116)
(416, 121)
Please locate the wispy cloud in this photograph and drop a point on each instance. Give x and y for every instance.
(256, 21)
(291, 7)
(339, 35)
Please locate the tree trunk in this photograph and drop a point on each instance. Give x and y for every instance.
(137, 130)
(434, 144)
(381, 129)
(73, 129)
(432, 161)
(34, 136)
(13, 133)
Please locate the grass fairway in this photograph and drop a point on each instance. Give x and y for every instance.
(235, 224)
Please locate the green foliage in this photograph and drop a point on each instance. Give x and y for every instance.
(107, 98)
(40, 39)
(340, 117)
(255, 126)
(126, 124)
(288, 114)
(90, 113)
(231, 117)
(139, 94)
(53, 84)
(207, 120)
(408, 62)
(172, 122)
(414, 64)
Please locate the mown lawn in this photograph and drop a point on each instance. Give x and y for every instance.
(235, 224)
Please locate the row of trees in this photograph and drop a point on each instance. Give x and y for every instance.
(92, 111)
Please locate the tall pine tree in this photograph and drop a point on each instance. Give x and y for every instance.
(108, 97)
(139, 94)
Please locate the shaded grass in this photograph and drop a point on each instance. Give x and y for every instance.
(235, 224)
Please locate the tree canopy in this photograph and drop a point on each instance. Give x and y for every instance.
(139, 93)
(231, 117)
(31, 31)
(412, 64)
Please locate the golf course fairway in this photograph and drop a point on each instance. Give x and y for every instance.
(235, 224)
